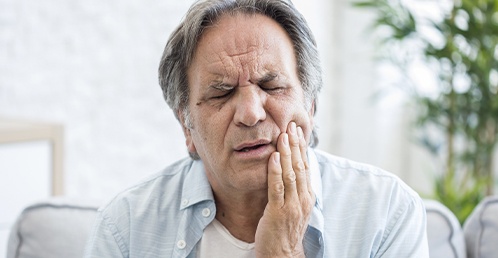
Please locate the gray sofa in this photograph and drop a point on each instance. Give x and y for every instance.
(444, 232)
(54, 228)
(58, 228)
(481, 230)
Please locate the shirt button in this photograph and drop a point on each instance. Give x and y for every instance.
(184, 202)
(181, 244)
(206, 212)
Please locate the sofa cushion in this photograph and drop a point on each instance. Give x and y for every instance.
(481, 229)
(53, 228)
(444, 233)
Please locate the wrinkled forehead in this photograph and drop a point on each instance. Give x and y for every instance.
(241, 41)
(241, 34)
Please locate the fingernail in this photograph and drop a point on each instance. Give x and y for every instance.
(276, 157)
(286, 139)
(300, 133)
(292, 128)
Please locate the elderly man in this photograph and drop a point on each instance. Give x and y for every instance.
(242, 77)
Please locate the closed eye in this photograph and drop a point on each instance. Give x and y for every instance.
(269, 83)
(272, 89)
(221, 90)
(222, 95)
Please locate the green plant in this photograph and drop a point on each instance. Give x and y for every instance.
(461, 49)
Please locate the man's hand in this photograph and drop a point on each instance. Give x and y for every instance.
(281, 230)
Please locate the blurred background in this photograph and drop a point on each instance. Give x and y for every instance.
(91, 66)
(89, 70)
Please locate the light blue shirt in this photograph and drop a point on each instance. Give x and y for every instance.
(361, 211)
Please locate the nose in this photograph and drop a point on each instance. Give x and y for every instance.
(249, 107)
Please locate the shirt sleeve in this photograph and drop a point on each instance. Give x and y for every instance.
(105, 241)
(406, 235)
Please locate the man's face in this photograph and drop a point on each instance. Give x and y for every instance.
(244, 91)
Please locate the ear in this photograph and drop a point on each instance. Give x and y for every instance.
(312, 109)
(312, 113)
(189, 142)
(312, 137)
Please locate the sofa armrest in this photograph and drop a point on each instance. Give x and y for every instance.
(57, 227)
(444, 233)
(481, 229)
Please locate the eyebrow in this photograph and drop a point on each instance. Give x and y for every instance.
(221, 86)
(266, 78)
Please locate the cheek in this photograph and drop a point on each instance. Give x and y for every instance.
(306, 123)
(284, 113)
(209, 130)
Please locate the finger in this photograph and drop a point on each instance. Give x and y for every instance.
(275, 184)
(297, 160)
(304, 150)
(303, 146)
(288, 175)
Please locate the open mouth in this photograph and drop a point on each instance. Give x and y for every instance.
(250, 148)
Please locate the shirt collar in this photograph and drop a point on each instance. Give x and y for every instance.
(316, 219)
(196, 187)
(315, 177)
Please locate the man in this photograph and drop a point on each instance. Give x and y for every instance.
(242, 78)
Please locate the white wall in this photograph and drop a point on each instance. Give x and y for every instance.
(92, 65)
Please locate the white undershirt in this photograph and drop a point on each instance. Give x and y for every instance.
(217, 241)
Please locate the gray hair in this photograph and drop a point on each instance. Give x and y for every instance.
(181, 46)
